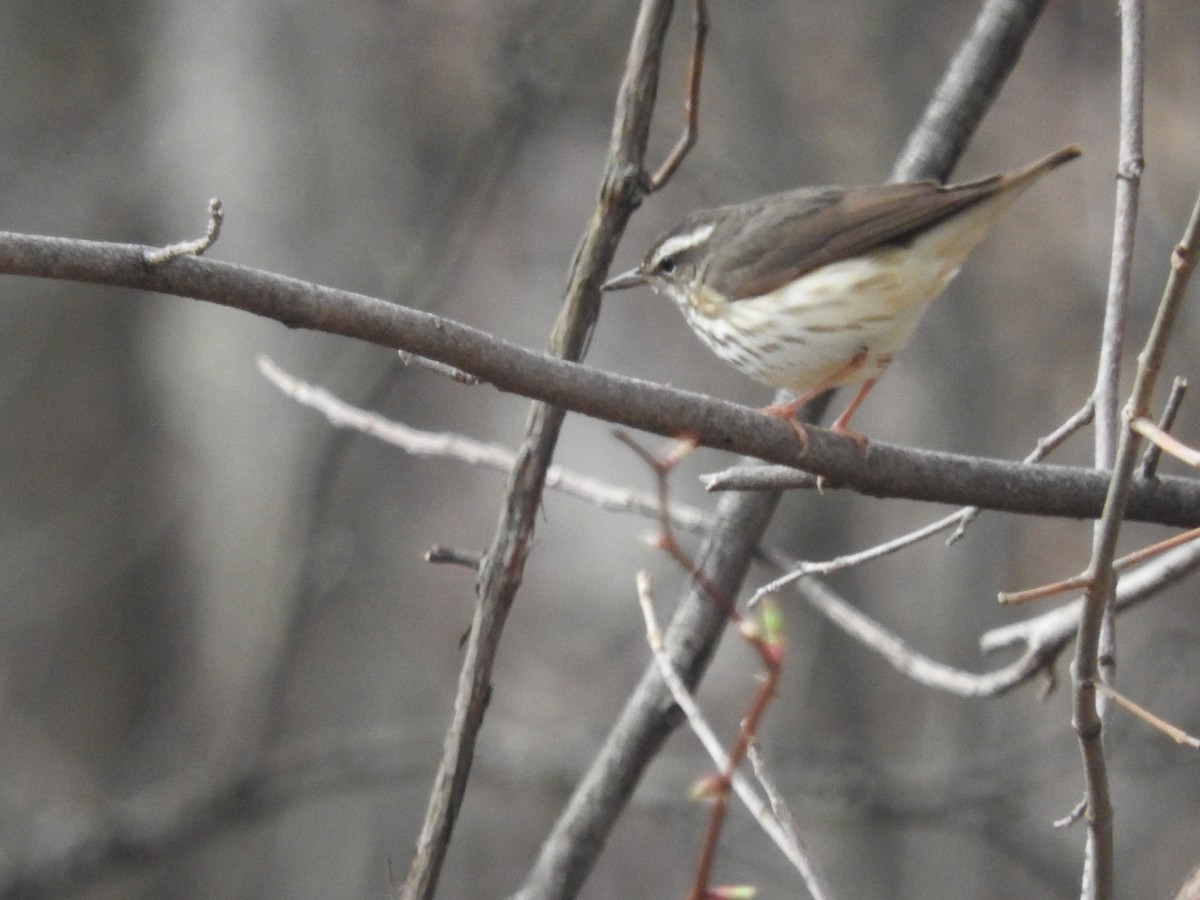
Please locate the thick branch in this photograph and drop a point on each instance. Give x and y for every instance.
(972, 81)
(884, 471)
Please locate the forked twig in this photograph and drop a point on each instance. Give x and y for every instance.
(1098, 869)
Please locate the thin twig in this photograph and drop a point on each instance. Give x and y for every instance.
(453, 556)
(779, 806)
(1129, 175)
(765, 641)
(216, 216)
(691, 108)
(1086, 671)
(1149, 463)
(1036, 657)
(501, 574)
(780, 829)
(1040, 640)
(1075, 815)
(1134, 588)
(849, 560)
(1164, 441)
(962, 518)
(890, 471)
(1043, 448)
(1077, 582)
(1178, 735)
(496, 456)
(451, 372)
(1097, 880)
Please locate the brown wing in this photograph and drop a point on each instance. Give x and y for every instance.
(782, 237)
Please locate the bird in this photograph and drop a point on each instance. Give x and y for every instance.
(819, 287)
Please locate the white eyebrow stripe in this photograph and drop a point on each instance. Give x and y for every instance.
(686, 241)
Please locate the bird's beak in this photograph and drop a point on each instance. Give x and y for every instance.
(629, 279)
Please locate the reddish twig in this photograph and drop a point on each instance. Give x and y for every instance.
(764, 640)
(691, 126)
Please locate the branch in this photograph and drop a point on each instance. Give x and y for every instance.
(1040, 639)
(416, 442)
(649, 715)
(774, 819)
(621, 190)
(1097, 638)
(1098, 874)
(885, 470)
(970, 85)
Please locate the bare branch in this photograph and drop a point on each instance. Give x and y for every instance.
(1076, 582)
(971, 83)
(1178, 735)
(1098, 869)
(503, 566)
(453, 556)
(782, 835)
(962, 518)
(1161, 440)
(216, 215)
(1060, 625)
(1149, 464)
(1097, 634)
(920, 668)
(433, 365)
(1041, 639)
(691, 125)
(890, 471)
(496, 456)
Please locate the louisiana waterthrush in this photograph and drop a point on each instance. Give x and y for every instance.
(816, 288)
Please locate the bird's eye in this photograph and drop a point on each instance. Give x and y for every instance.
(667, 264)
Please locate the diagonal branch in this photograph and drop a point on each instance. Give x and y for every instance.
(578, 836)
(501, 573)
(1098, 881)
(885, 470)
(1095, 650)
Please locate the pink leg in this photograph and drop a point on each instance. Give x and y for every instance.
(788, 410)
(841, 424)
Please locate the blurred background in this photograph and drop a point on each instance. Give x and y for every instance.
(201, 580)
